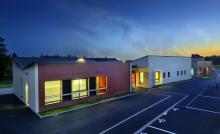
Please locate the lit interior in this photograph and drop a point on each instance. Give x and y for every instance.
(133, 78)
(27, 93)
(192, 71)
(157, 77)
(52, 92)
(79, 89)
(102, 82)
(141, 80)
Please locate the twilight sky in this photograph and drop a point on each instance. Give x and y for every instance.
(125, 29)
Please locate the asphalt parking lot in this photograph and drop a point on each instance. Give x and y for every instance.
(187, 107)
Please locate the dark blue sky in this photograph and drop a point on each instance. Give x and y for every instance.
(123, 29)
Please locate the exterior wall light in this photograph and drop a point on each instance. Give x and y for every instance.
(81, 60)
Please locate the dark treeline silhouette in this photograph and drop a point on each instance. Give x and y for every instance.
(6, 60)
(215, 59)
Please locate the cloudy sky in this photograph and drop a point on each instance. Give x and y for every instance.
(125, 29)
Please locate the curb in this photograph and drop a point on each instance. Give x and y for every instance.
(89, 105)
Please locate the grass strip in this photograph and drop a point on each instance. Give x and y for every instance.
(80, 105)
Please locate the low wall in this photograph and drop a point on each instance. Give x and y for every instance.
(6, 91)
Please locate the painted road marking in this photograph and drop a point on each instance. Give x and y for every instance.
(134, 115)
(164, 92)
(211, 97)
(204, 110)
(163, 130)
(195, 98)
(156, 118)
(157, 93)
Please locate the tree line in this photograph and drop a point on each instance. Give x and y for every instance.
(6, 60)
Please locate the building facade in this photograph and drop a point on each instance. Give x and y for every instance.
(44, 84)
(150, 71)
(202, 68)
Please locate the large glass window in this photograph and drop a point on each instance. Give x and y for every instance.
(102, 82)
(53, 92)
(79, 88)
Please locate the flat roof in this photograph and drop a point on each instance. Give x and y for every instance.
(25, 62)
(161, 56)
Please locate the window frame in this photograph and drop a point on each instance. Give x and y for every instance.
(53, 96)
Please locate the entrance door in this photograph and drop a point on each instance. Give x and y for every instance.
(204, 71)
(157, 78)
(27, 93)
(92, 86)
(133, 78)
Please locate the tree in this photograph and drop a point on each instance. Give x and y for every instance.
(3, 50)
(5, 62)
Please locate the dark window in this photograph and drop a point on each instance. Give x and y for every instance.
(169, 74)
(181, 72)
(164, 75)
(66, 85)
(178, 73)
(92, 86)
(184, 72)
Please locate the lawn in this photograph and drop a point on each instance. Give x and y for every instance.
(81, 105)
(5, 84)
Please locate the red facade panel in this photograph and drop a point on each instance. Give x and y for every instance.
(118, 78)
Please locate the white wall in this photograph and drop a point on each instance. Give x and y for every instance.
(141, 62)
(19, 78)
(169, 64)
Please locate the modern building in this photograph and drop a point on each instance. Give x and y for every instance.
(47, 83)
(200, 67)
(152, 70)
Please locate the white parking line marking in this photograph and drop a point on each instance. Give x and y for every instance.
(156, 118)
(163, 130)
(199, 109)
(157, 93)
(211, 97)
(134, 115)
(195, 98)
(164, 92)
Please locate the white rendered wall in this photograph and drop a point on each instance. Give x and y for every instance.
(169, 64)
(141, 62)
(19, 78)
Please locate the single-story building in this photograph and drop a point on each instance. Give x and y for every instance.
(152, 70)
(47, 83)
(202, 68)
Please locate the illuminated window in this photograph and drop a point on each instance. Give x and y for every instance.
(192, 71)
(52, 92)
(133, 79)
(27, 93)
(157, 77)
(141, 77)
(79, 89)
(102, 82)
